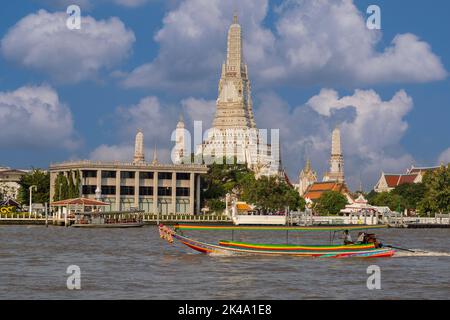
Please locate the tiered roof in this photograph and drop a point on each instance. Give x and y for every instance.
(316, 190)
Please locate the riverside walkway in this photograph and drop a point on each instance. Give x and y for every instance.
(25, 218)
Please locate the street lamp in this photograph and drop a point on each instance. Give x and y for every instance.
(31, 195)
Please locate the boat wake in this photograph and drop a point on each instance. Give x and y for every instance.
(420, 253)
(222, 254)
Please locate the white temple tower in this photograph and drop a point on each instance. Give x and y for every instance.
(139, 148)
(234, 135)
(306, 178)
(234, 103)
(181, 149)
(336, 172)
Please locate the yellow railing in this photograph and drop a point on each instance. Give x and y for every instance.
(184, 217)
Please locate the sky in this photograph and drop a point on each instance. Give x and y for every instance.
(313, 65)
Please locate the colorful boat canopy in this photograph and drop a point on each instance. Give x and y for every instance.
(279, 228)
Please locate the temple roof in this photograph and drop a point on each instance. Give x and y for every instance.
(316, 190)
(394, 180)
(421, 169)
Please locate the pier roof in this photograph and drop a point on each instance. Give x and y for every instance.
(79, 201)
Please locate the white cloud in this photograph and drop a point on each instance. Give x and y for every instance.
(444, 157)
(199, 110)
(42, 41)
(155, 120)
(371, 131)
(322, 42)
(131, 3)
(113, 153)
(193, 44)
(34, 117)
(89, 4)
(125, 152)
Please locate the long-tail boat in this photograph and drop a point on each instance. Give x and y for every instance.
(369, 249)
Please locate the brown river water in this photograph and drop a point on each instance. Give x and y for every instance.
(137, 264)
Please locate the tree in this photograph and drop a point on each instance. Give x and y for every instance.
(372, 194)
(64, 188)
(330, 203)
(411, 193)
(394, 201)
(267, 193)
(272, 194)
(215, 205)
(57, 187)
(77, 183)
(437, 193)
(41, 180)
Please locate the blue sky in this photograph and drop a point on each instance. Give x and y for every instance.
(67, 95)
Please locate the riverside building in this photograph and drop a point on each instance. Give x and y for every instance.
(153, 187)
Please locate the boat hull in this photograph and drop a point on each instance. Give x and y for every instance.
(312, 251)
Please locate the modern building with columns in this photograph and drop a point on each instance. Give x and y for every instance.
(152, 187)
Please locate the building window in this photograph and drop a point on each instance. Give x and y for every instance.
(182, 206)
(146, 205)
(145, 191)
(89, 174)
(165, 175)
(126, 191)
(146, 175)
(89, 189)
(163, 206)
(127, 175)
(183, 176)
(164, 191)
(108, 174)
(107, 190)
(182, 192)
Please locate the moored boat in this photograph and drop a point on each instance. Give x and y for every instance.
(108, 220)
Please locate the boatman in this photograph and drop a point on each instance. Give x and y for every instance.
(347, 238)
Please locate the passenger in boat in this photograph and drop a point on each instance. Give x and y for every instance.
(372, 238)
(361, 238)
(347, 238)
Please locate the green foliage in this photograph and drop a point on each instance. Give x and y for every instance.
(77, 183)
(215, 205)
(67, 187)
(73, 190)
(432, 195)
(272, 194)
(61, 187)
(411, 194)
(369, 197)
(222, 179)
(437, 191)
(267, 193)
(38, 178)
(330, 203)
(394, 201)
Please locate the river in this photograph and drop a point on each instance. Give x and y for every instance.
(137, 264)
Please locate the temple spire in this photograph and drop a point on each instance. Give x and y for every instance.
(139, 148)
(234, 103)
(155, 156)
(234, 55)
(336, 172)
